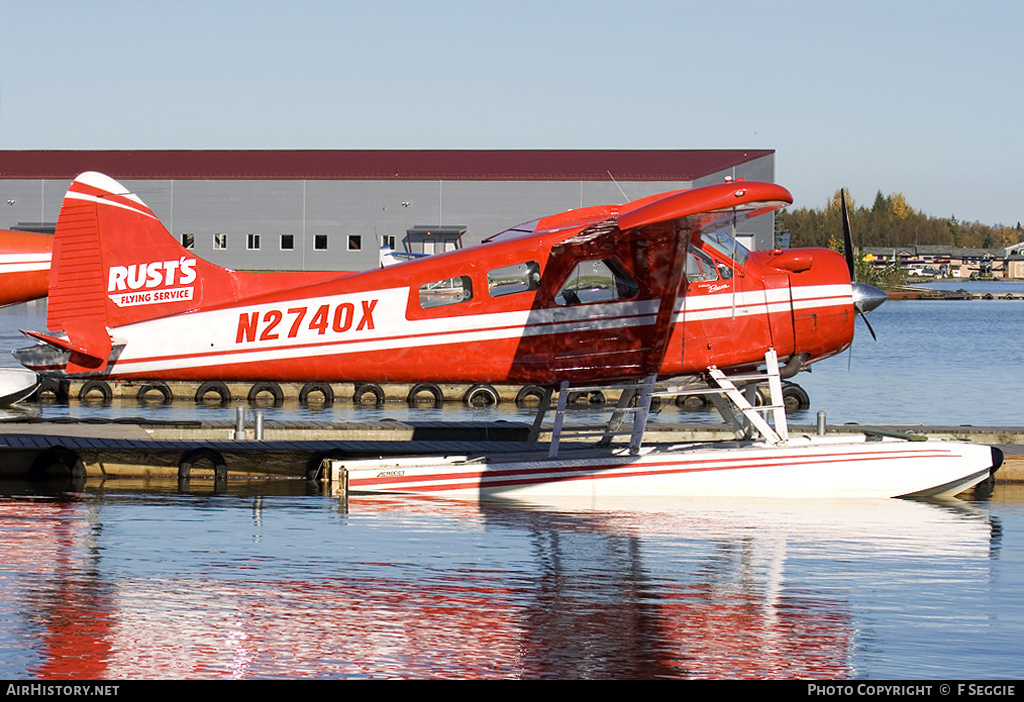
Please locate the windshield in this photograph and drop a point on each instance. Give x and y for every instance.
(726, 245)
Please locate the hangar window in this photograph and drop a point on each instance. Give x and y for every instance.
(319, 242)
(597, 281)
(287, 242)
(188, 241)
(220, 242)
(446, 292)
(355, 242)
(252, 242)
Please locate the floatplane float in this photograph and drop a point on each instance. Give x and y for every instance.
(655, 295)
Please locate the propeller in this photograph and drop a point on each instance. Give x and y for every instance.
(865, 297)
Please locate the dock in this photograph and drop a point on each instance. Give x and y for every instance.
(920, 293)
(296, 449)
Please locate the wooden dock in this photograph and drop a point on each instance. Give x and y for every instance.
(915, 293)
(294, 449)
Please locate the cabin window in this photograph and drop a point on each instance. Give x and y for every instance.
(508, 280)
(726, 245)
(699, 267)
(597, 281)
(220, 242)
(252, 242)
(287, 242)
(446, 292)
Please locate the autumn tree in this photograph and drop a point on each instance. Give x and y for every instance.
(889, 222)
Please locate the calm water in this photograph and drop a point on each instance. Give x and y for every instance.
(272, 579)
(138, 583)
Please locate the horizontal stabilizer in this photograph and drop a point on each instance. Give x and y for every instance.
(88, 357)
(62, 344)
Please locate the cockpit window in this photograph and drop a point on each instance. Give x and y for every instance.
(699, 267)
(726, 245)
(446, 292)
(597, 281)
(508, 280)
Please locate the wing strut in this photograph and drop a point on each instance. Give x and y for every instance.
(734, 396)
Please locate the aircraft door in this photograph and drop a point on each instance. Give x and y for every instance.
(779, 300)
(601, 311)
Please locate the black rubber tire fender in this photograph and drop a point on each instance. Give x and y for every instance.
(692, 402)
(324, 389)
(60, 456)
(263, 386)
(431, 389)
(593, 397)
(100, 386)
(529, 391)
(362, 389)
(191, 457)
(60, 389)
(215, 386)
(481, 395)
(158, 386)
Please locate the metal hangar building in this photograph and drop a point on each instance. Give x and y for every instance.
(333, 209)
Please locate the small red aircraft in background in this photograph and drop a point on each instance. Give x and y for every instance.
(656, 286)
(24, 266)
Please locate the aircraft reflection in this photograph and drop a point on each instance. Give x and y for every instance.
(691, 589)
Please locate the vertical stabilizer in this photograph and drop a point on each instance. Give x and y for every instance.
(114, 263)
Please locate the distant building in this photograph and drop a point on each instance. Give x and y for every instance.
(332, 210)
(960, 262)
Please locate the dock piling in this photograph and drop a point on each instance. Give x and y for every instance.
(258, 425)
(240, 423)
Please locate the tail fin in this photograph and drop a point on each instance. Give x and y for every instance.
(114, 263)
(135, 270)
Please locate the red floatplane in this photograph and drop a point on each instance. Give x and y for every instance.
(650, 292)
(24, 265)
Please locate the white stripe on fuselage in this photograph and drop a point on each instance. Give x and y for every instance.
(721, 305)
(24, 262)
(205, 339)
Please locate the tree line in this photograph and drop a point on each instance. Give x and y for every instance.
(889, 222)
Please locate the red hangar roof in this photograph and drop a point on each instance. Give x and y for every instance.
(527, 164)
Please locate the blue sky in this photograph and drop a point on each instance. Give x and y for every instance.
(924, 98)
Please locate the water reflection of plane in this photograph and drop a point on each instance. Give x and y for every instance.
(714, 598)
(695, 588)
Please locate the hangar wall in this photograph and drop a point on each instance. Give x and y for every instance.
(307, 224)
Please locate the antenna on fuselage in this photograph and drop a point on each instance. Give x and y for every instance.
(624, 196)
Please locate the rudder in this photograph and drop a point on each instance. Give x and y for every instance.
(114, 263)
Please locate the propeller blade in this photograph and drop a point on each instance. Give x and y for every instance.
(860, 310)
(865, 297)
(847, 237)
